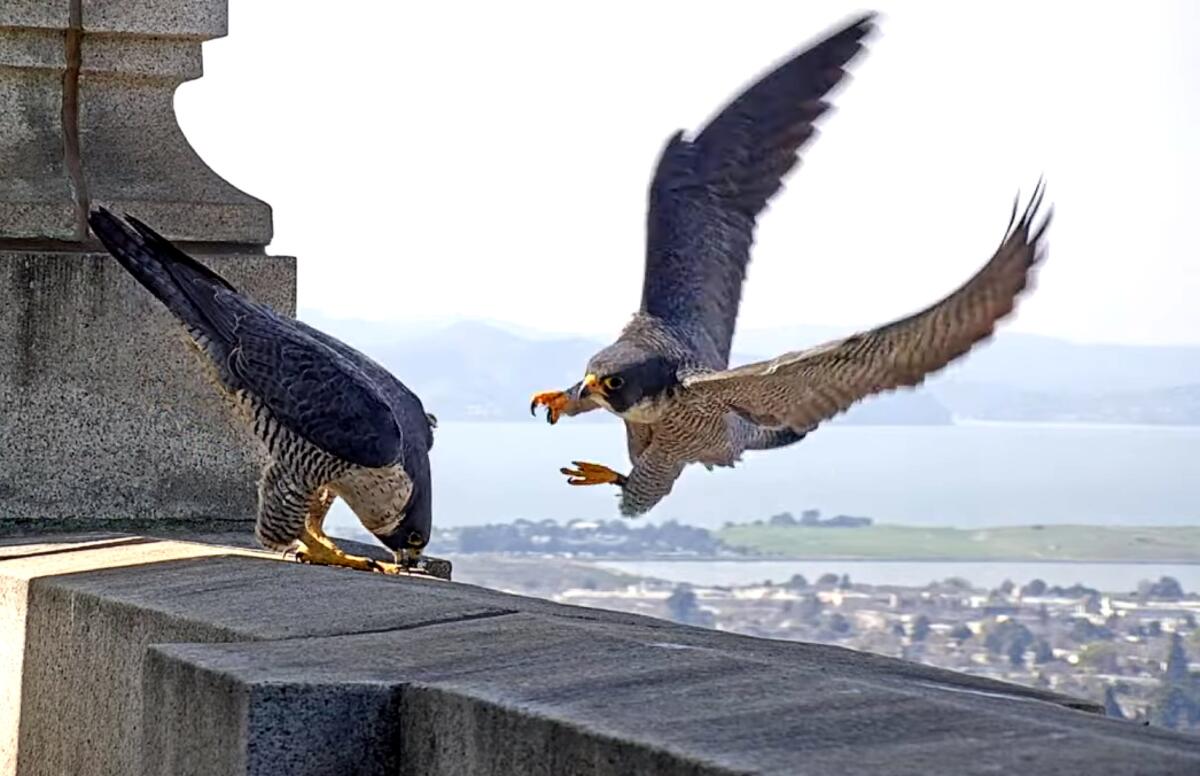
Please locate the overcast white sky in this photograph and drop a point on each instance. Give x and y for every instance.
(491, 160)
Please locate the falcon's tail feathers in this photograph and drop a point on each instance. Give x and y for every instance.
(184, 285)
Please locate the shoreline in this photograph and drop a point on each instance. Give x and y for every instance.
(821, 559)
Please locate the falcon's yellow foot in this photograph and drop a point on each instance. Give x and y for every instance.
(319, 550)
(314, 531)
(586, 473)
(554, 402)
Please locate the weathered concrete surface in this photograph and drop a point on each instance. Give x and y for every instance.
(100, 403)
(546, 695)
(90, 119)
(36, 199)
(107, 412)
(135, 157)
(244, 664)
(20, 564)
(75, 651)
(202, 19)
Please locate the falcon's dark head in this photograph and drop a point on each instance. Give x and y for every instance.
(626, 379)
(410, 536)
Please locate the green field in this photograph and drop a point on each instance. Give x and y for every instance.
(1178, 544)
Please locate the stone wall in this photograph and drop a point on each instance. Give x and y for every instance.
(120, 655)
(105, 418)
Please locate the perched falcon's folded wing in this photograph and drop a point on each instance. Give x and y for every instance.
(318, 391)
(801, 389)
(708, 191)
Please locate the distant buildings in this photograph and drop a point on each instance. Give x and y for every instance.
(1127, 652)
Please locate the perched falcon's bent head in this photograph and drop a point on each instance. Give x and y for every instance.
(627, 379)
(412, 532)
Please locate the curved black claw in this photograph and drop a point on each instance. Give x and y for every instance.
(533, 408)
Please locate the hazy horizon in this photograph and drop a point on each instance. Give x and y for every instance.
(413, 327)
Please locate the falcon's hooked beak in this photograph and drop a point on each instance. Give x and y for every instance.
(591, 384)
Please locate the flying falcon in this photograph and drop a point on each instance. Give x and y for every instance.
(667, 374)
(333, 422)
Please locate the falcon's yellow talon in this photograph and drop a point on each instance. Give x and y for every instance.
(554, 402)
(586, 473)
(316, 548)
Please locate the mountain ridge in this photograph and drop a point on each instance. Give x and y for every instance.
(485, 370)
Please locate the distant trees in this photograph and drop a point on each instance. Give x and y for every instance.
(1084, 630)
(1165, 589)
(809, 609)
(1009, 638)
(684, 607)
(838, 624)
(1035, 588)
(957, 583)
(920, 628)
(1176, 703)
(1177, 661)
(1101, 657)
(797, 582)
(613, 537)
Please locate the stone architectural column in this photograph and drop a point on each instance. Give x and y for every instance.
(106, 421)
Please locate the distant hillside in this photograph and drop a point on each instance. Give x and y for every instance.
(472, 370)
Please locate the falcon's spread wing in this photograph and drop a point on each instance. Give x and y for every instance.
(801, 389)
(707, 192)
(309, 387)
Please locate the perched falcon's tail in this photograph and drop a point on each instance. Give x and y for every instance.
(184, 285)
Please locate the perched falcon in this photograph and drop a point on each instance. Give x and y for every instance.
(667, 374)
(332, 421)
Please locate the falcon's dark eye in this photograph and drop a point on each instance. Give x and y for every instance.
(613, 383)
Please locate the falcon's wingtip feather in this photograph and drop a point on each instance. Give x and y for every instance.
(101, 219)
(1025, 224)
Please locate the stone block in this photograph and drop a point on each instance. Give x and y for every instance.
(78, 653)
(20, 564)
(52, 14)
(89, 118)
(193, 664)
(200, 19)
(544, 695)
(36, 198)
(108, 414)
(136, 158)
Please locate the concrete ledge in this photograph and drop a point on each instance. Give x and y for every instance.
(175, 658)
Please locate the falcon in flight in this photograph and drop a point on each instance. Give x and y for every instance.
(332, 421)
(667, 375)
